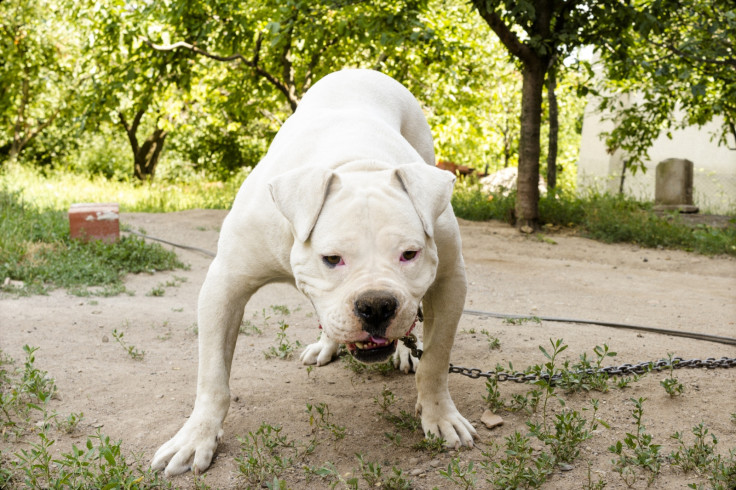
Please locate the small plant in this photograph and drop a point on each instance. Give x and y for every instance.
(70, 423)
(432, 444)
(99, 464)
(282, 310)
(523, 320)
(671, 385)
(247, 327)
(589, 485)
(157, 290)
(570, 430)
(320, 419)
(463, 476)
(493, 342)
(636, 450)
(261, 459)
(285, 349)
(702, 458)
(404, 420)
(133, 352)
(519, 468)
(493, 395)
(372, 474)
(586, 375)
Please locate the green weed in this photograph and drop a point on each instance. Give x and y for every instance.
(133, 352)
(404, 420)
(36, 249)
(463, 476)
(22, 391)
(637, 451)
(432, 444)
(518, 468)
(603, 217)
(671, 385)
(285, 349)
(522, 321)
(320, 419)
(262, 457)
(493, 342)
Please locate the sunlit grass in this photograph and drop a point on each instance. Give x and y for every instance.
(57, 189)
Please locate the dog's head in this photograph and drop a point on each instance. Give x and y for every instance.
(364, 250)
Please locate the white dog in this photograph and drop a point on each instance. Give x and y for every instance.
(348, 206)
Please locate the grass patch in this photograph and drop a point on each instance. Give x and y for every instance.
(603, 217)
(35, 248)
(57, 189)
(25, 393)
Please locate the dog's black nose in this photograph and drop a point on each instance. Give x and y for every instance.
(375, 309)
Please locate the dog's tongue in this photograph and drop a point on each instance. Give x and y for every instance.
(379, 340)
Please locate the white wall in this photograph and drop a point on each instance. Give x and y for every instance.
(714, 178)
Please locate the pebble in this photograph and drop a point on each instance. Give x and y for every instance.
(566, 467)
(435, 463)
(105, 339)
(416, 472)
(490, 419)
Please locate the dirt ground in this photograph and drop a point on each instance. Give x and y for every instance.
(145, 402)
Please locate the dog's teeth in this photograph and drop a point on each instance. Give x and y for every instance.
(359, 345)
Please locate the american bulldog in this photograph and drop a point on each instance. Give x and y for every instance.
(348, 206)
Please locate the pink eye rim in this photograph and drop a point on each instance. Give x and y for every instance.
(332, 261)
(409, 255)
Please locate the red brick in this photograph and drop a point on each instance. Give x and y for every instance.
(95, 221)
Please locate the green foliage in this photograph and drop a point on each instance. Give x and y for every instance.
(517, 468)
(673, 69)
(22, 391)
(320, 419)
(35, 248)
(603, 217)
(463, 476)
(133, 352)
(637, 452)
(100, 464)
(262, 457)
(285, 348)
(39, 73)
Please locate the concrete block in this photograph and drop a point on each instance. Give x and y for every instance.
(95, 221)
(674, 183)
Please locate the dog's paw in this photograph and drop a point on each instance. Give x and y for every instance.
(403, 360)
(321, 352)
(443, 420)
(192, 448)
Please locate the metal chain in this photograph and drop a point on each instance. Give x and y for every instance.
(410, 341)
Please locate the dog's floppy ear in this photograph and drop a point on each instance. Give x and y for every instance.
(299, 194)
(429, 189)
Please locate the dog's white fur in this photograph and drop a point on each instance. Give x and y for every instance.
(350, 174)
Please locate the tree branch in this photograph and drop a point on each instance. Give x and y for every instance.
(253, 63)
(504, 33)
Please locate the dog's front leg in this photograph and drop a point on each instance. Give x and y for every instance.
(220, 311)
(443, 306)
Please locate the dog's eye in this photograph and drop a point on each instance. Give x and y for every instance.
(332, 261)
(409, 255)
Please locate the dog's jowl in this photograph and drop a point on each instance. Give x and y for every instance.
(348, 206)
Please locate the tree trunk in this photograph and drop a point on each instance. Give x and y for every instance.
(148, 154)
(145, 156)
(527, 185)
(554, 127)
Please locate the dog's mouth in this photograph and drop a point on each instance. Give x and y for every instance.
(375, 349)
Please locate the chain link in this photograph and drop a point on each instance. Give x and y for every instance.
(410, 341)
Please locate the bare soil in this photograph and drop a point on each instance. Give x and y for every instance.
(145, 402)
